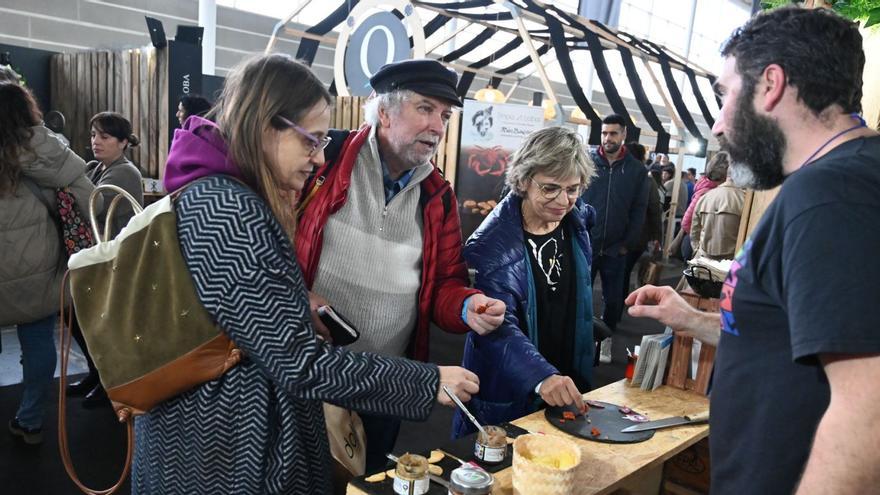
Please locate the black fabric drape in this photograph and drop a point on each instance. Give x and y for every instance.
(699, 96)
(467, 78)
(577, 93)
(597, 54)
(683, 113)
(464, 84)
(642, 100)
(494, 16)
(309, 48)
(458, 5)
(712, 80)
(523, 61)
(436, 23)
(469, 46)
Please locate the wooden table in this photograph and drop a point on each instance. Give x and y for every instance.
(608, 467)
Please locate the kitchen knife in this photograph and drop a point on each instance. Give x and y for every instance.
(666, 423)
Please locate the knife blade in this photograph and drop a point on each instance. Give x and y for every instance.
(668, 422)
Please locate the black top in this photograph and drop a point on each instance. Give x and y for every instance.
(804, 284)
(553, 272)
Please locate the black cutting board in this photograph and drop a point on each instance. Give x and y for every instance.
(609, 420)
(462, 448)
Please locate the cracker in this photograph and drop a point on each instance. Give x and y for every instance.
(376, 478)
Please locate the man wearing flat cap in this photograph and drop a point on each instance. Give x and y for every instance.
(379, 236)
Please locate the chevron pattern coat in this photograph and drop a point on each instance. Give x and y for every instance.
(260, 427)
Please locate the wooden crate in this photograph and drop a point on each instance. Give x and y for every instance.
(682, 348)
(688, 473)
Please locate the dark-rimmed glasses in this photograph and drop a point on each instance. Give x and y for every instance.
(552, 191)
(316, 144)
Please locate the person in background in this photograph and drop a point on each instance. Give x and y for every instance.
(618, 194)
(380, 238)
(652, 228)
(533, 253)
(33, 164)
(260, 427)
(716, 173)
(111, 136)
(674, 249)
(192, 105)
(716, 222)
(794, 390)
(691, 180)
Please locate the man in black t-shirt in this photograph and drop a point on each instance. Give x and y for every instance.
(795, 403)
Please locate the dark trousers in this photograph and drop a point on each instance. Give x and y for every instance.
(76, 331)
(381, 432)
(611, 269)
(687, 251)
(632, 257)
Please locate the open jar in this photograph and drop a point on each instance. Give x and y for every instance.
(491, 447)
(469, 480)
(411, 475)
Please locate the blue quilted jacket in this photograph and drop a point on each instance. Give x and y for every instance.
(507, 360)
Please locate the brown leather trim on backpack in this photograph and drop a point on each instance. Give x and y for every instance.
(65, 321)
(184, 373)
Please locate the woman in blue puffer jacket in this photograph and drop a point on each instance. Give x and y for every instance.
(533, 253)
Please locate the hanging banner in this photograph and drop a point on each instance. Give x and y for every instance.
(490, 133)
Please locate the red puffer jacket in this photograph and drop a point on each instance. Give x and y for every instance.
(444, 284)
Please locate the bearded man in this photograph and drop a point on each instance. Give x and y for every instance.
(379, 236)
(794, 397)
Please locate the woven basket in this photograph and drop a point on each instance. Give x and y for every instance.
(532, 478)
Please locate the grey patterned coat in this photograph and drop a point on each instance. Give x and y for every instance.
(260, 427)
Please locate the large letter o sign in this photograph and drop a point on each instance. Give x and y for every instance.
(380, 38)
(366, 51)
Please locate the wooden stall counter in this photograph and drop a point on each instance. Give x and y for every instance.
(608, 467)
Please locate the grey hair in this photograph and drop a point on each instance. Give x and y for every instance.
(391, 102)
(717, 168)
(557, 152)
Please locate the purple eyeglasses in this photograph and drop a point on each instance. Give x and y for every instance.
(317, 144)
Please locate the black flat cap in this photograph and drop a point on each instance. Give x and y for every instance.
(425, 77)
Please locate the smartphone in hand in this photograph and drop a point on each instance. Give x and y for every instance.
(341, 330)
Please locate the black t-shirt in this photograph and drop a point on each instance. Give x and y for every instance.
(806, 282)
(553, 272)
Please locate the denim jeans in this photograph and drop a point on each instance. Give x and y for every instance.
(38, 358)
(611, 269)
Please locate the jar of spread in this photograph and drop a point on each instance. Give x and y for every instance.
(411, 475)
(469, 480)
(491, 448)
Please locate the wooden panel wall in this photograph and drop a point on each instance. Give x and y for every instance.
(754, 206)
(348, 113)
(131, 82)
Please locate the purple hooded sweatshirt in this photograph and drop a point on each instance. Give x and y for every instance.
(198, 150)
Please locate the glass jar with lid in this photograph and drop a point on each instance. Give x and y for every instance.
(470, 480)
(411, 475)
(491, 447)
